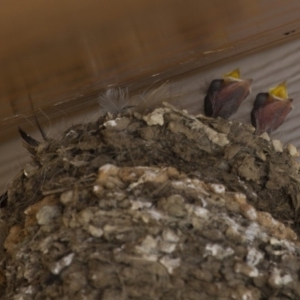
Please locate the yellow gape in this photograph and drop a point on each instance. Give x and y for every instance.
(233, 74)
(279, 91)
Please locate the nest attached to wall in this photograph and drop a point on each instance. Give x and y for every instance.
(158, 205)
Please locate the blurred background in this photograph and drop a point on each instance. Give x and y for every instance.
(64, 53)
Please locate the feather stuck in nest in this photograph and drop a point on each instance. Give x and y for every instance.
(117, 101)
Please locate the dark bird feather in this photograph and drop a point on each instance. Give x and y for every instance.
(29, 143)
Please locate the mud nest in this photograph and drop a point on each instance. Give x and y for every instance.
(161, 205)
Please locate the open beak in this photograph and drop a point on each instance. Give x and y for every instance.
(270, 109)
(224, 96)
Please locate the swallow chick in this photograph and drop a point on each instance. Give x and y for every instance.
(224, 96)
(270, 109)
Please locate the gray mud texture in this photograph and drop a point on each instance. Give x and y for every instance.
(156, 206)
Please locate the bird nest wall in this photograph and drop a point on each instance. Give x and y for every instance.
(153, 205)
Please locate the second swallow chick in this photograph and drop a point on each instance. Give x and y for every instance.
(270, 109)
(224, 96)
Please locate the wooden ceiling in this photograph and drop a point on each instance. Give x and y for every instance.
(62, 53)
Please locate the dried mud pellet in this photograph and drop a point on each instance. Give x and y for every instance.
(292, 150)
(155, 118)
(95, 231)
(147, 133)
(248, 211)
(277, 146)
(14, 237)
(67, 197)
(172, 173)
(265, 136)
(217, 188)
(232, 206)
(240, 198)
(118, 124)
(232, 234)
(47, 214)
(245, 269)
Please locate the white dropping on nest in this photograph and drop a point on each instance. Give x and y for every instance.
(170, 263)
(254, 256)
(148, 248)
(62, 263)
(218, 251)
(277, 280)
(197, 211)
(218, 188)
